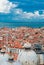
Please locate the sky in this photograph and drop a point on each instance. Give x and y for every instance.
(21, 10)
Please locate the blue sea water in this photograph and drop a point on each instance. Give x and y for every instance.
(22, 24)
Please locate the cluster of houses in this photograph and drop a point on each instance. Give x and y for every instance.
(16, 37)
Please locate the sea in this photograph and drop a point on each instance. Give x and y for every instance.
(22, 24)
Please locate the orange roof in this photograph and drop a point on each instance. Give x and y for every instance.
(17, 44)
(19, 33)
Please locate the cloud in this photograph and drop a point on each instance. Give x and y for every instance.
(18, 14)
(6, 6)
(23, 15)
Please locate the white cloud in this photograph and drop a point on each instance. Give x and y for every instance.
(36, 13)
(19, 14)
(28, 15)
(5, 6)
(18, 11)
